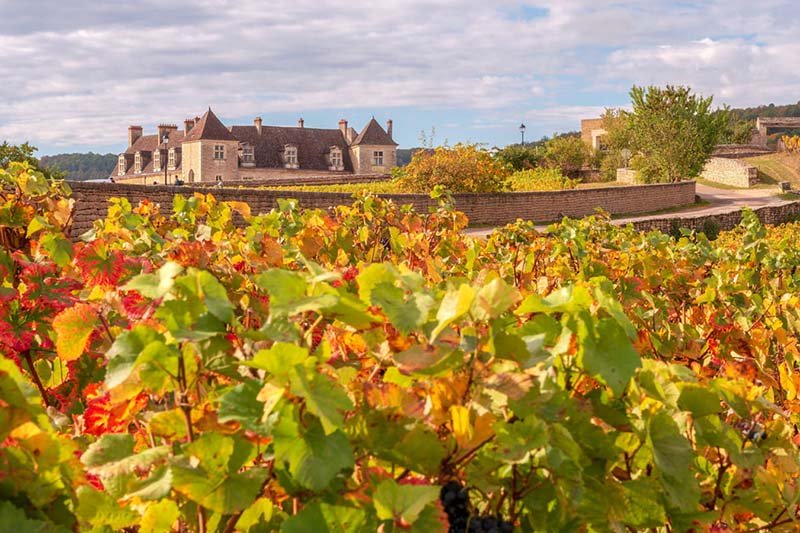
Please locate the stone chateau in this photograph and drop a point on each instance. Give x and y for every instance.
(206, 150)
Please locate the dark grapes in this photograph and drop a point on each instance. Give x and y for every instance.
(455, 502)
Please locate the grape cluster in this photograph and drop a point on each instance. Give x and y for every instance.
(456, 504)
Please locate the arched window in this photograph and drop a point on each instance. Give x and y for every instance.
(336, 160)
(191, 176)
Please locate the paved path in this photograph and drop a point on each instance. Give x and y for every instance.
(720, 201)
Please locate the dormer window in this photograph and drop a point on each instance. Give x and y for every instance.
(290, 156)
(172, 158)
(157, 160)
(121, 169)
(219, 152)
(137, 163)
(336, 161)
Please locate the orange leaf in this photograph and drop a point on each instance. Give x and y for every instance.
(73, 328)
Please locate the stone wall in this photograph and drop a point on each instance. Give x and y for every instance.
(482, 209)
(772, 214)
(727, 171)
(739, 151)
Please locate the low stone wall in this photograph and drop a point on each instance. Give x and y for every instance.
(727, 171)
(772, 214)
(482, 209)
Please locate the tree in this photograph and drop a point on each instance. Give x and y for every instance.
(462, 168)
(672, 132)
(23, 153)
(567, 153)
(521, 157)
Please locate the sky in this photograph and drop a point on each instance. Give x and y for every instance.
(76, 73)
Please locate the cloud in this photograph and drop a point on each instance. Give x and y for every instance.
(77, 73)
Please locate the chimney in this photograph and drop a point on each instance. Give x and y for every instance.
(166, 129)
(300, 122)
(343, 127)
(188, 124)
(257, 124)
(134, 132)
(389, 127)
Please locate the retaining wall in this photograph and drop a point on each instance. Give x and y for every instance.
(482, 209)
(773, 214)
(730, 172)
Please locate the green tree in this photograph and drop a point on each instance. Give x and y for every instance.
(23, 153)
(521, 157)
(567, 153)
(672, 132)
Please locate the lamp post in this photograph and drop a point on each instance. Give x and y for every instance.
(522, 132)
(165, 157)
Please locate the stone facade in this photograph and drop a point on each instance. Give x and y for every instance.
(626, 175)
(727, 171)
(592, 132)
(208, 151)
(482, 209)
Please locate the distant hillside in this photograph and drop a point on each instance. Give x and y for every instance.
(771, 110)
(80, 167)
(404, 155)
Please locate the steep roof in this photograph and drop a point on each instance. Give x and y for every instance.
(313, 145)
(373, 133)
(209, 128)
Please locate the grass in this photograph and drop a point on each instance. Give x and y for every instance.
(774, 168)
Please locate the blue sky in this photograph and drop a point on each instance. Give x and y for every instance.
(77, 73)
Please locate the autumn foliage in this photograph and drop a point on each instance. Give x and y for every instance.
(462, 168)
(330, 371)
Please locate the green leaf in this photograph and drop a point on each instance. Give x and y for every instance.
(566, 299)
(15, 519)
(698, 400)
(606, 353)
(155, 285)
(455, 304)
(202, 285)
(373, 275)
(279, 360)
(404, 503)
(494, 299)
(405, 312)
(159, 517)
(313, 458)
(323, 397)
(324, 518)
(240, 404)
(673, 457)
(256, 517)
(99, 509)
(109, 448)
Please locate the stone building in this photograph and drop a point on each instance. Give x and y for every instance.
(592, 132)
(206, 150)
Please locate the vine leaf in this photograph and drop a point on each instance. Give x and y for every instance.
(74, 327)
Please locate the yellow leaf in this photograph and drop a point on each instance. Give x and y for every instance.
(73, 328)
(240, 207)
(462, 429)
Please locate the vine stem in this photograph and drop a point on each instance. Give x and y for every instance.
(35, 376)
(186, 409)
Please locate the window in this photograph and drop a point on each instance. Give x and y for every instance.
(248, 155)
(157, 160)
(172, 158)
(137, 162)
(377, 159)
(121, 170)
(336, 158)
(217, 178)
(219, 152)
(290, 156)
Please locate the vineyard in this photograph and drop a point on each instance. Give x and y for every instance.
(371, 368)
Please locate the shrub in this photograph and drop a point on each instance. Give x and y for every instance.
(611, 161)
(462, 168)
(541, 179)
